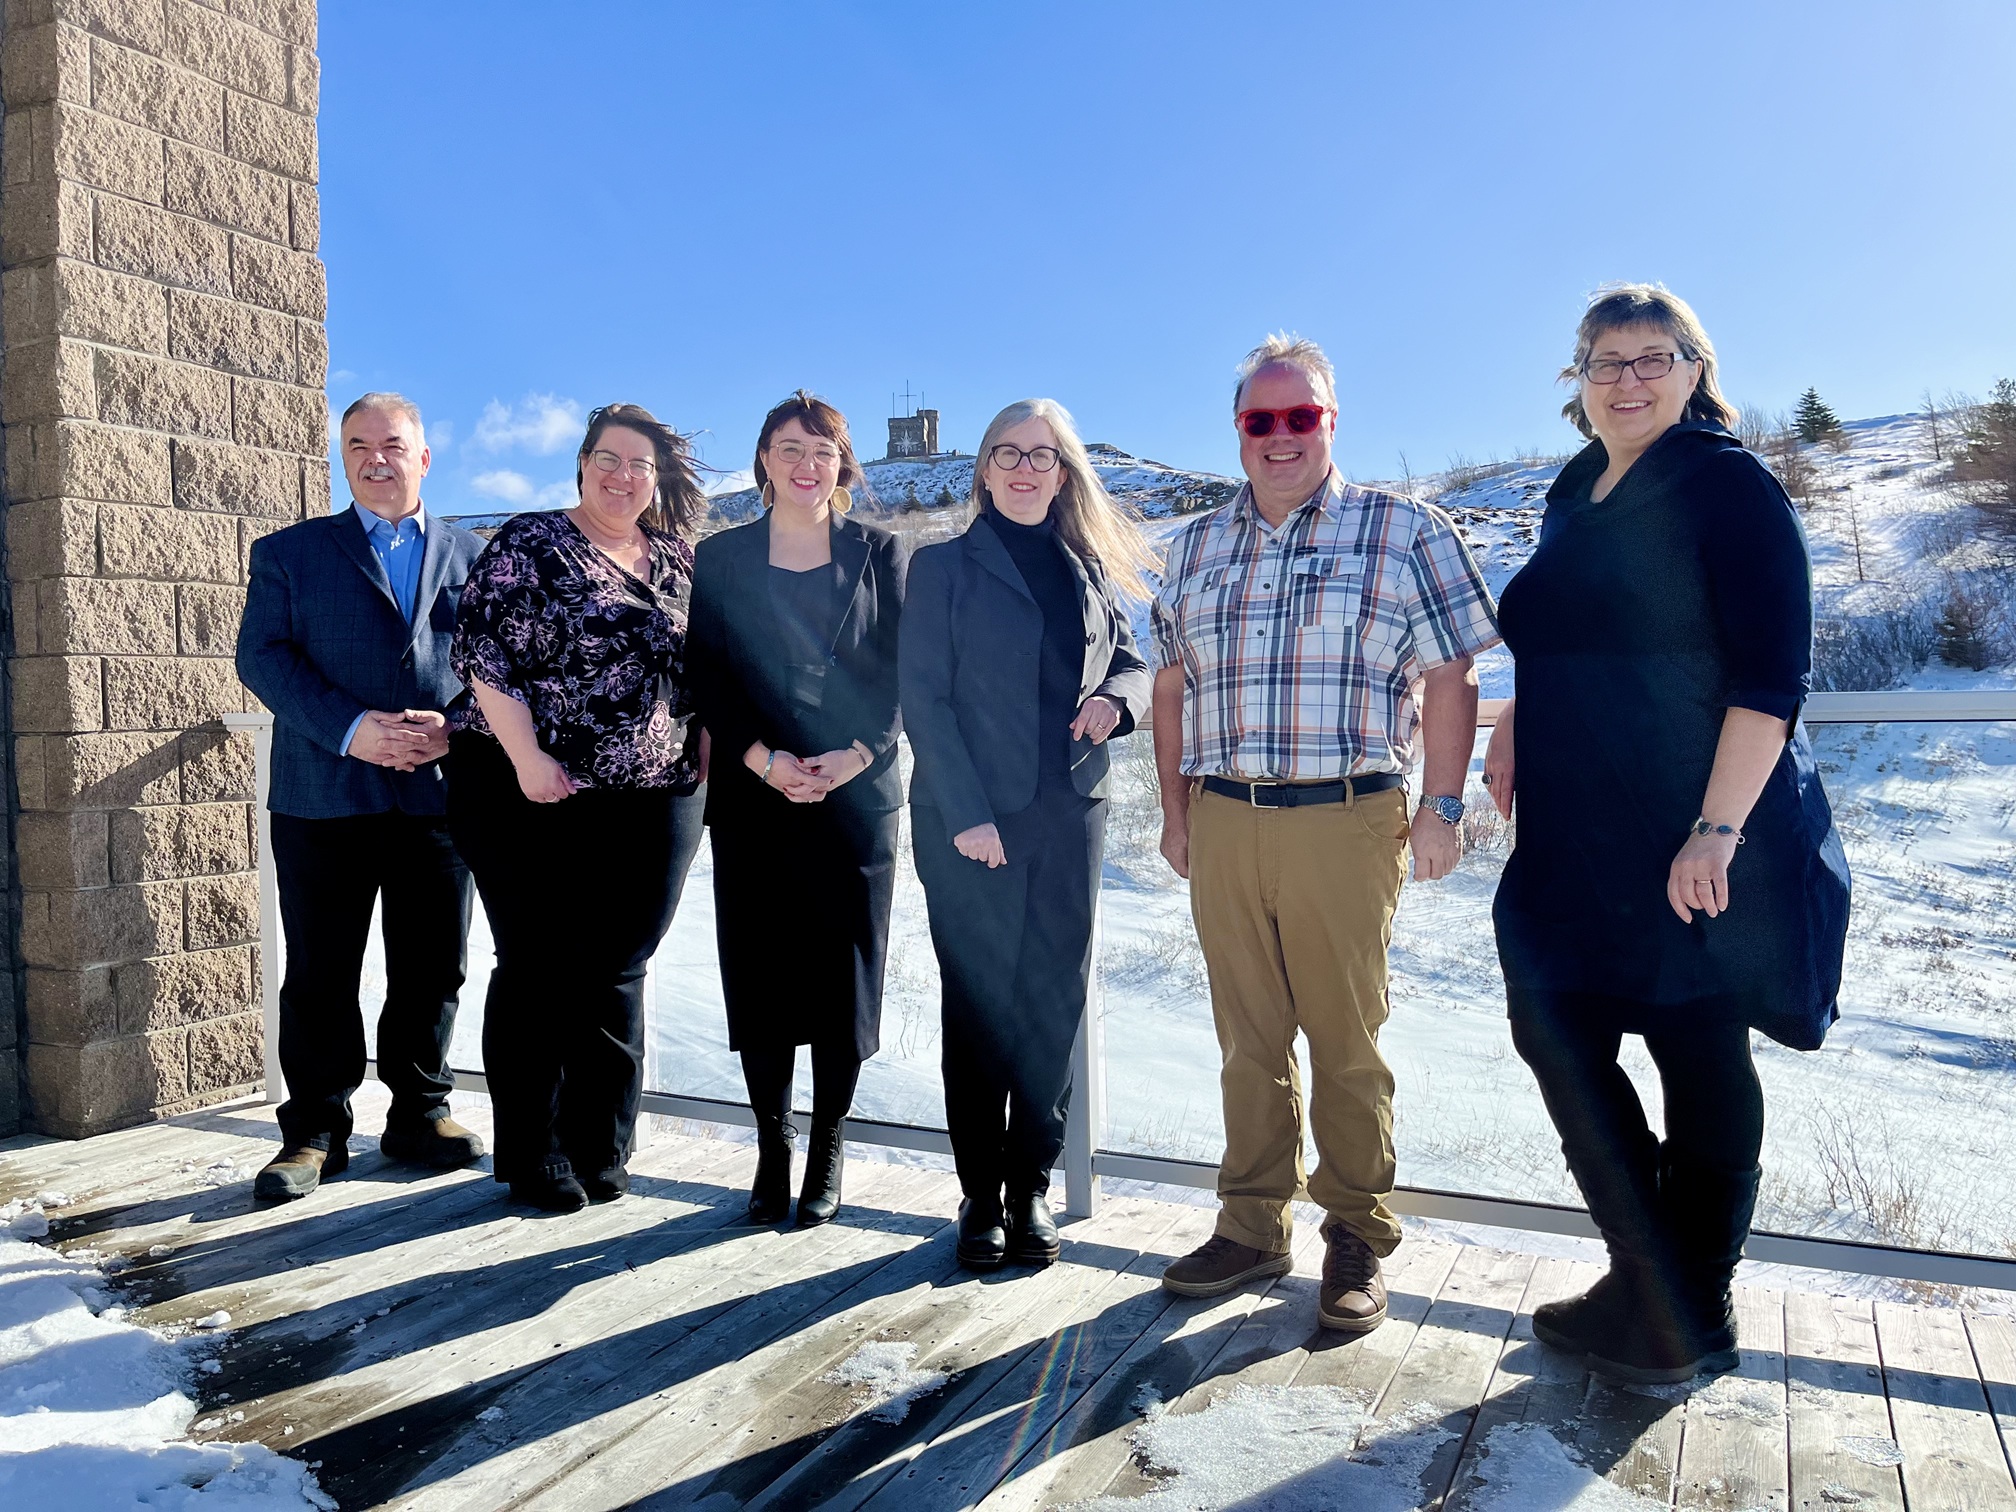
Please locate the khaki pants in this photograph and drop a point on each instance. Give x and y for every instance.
(1294, 910)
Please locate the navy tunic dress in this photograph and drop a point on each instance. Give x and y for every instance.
(1638, 622)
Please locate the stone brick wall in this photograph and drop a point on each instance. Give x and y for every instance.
(161, 314)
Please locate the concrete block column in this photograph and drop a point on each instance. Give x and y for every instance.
(162, 361)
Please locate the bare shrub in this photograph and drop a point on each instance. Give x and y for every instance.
(1865, 1175)
(1866, 653)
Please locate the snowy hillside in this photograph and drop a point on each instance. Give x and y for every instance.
(1155, 489)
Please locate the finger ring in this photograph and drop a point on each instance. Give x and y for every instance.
(1486, 779)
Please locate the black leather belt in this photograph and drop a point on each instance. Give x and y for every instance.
(1301, 794)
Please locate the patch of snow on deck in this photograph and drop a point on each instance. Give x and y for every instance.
(885, 1368)
(94, 1411)
(1285, 1449)
(1524, 1468)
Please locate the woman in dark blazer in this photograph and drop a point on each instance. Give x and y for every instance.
(794, 668)
(1018, 663)
(1677, 874)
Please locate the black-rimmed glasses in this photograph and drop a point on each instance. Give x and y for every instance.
(1648, 367)
(1008, 458)
(636, 467)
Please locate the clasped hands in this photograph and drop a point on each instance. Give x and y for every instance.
(806, 779)
(403, 741)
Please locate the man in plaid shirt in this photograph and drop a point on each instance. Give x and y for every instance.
(1292, 628)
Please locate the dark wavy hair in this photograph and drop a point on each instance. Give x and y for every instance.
(820, 419)
(679, 501)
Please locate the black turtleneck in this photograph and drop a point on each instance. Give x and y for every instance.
(1039, 557)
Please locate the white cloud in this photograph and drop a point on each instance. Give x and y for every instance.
(440, 434)
(733, 482)
(539, 423)
(511, 487)
(517, 489)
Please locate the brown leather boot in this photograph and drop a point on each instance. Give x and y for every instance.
(440, 1143)
(297, 1170)
(1220, 1265)
(1353, 1298)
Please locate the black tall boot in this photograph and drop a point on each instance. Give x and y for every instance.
(1708, 1215)
(819, 1198)
(1621, 1188)
(770, 1193)
(1705, 1215)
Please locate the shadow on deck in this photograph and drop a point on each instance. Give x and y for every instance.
(425, 1345)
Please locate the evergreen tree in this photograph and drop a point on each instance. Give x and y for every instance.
(1812, 419)
(946, 499)
(911, 503)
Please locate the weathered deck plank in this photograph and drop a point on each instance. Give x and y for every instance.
(1953, 1457)
(1733, 1446)
(440, 1351)
(1836, 1405)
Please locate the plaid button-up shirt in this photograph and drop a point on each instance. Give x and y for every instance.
(1300, 646)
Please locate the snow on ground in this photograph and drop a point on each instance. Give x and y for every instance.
(887, 1372)
(1284, 1448)
(96, 1413)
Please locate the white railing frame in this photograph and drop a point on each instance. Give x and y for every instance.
(1086, 1165)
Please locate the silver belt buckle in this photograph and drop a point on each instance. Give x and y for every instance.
(1253, 794)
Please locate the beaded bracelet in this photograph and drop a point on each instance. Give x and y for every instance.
(1703, 827)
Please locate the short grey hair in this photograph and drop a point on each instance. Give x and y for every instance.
(385, 399)
(1286, 349)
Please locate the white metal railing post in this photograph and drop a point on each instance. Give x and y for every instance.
(1087, 1117)
(260, 727)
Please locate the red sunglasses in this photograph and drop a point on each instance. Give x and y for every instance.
(1301, 419)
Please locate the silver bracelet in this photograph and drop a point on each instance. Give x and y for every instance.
(1704, 828)
(767, 763)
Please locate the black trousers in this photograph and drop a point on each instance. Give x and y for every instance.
(331, 872)
(1714, 1102)
(1014, 949)
(579, 895)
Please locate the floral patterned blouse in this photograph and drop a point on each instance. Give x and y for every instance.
(596, 654)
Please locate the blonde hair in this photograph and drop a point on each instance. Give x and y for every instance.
(1089, 520)
(1614, 307)
(1286, 349)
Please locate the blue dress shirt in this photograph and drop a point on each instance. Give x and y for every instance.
(398, 549)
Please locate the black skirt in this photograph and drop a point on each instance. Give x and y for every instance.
(801, 915)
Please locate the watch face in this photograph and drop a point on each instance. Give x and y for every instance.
(1451, 809)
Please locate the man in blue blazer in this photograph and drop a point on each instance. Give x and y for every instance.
(345, 638)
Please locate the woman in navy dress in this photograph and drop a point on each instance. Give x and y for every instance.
(1676, 873)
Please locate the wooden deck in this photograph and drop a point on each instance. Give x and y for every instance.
(432, 1348)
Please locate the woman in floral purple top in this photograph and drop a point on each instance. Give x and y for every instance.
(575, 794)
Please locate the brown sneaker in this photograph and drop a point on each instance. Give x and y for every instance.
(441, 1143)
(1220, 1265)
(1353, 1299)
(297, 1170)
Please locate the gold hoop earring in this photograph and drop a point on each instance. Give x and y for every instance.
(842, 500)
(768, 496)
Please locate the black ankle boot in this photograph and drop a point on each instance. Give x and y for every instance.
(983, 1241)
(552, 1186)
(770, 1193)
(1032, 1232)
(819, 1197)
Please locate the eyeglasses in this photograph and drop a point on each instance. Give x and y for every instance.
(1300, 418)
(1652, 365)
(795, 452)
(1008, 458)
(637, 467)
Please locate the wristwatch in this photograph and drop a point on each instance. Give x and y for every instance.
(1448, 810)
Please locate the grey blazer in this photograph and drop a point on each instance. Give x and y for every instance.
(967, 669)
(323, 640)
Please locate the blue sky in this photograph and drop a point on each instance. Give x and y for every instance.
(528, 209)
